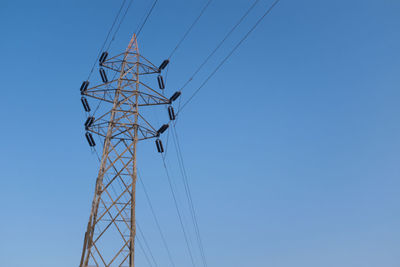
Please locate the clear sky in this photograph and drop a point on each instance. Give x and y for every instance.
(292, 149)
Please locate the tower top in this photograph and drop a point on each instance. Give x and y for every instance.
(133, 44)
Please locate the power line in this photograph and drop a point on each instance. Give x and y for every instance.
(188, 193)
(108, 35)
(180, 157)
(144, 252)
(145, 243)
(190, 28)
(178, 212)
(156, 221)
(119, 25)
(148, 15)
(230, 54)
(220, 44)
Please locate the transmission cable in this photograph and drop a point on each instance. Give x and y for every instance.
(192, 96)
(229, 55)
(119, 25)
(177, 210)
(190, 28)
(188, 192)
(156, 220)
(143, 250)
(220, 44)
(145, 243)
(148, 15)
(108, 35)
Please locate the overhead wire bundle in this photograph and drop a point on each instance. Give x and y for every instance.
(175, 136)
(231, 52)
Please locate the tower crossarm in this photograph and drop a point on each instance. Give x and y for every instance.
(144, 65)
(106, 92)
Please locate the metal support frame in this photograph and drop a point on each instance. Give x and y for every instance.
(111, 230)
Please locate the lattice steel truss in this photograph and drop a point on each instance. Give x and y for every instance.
(110, 236)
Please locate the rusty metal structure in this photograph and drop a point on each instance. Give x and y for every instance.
(111, 230)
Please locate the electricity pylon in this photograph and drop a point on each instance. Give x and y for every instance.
(110, 235)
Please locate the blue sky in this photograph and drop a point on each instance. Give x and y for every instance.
(292, 149)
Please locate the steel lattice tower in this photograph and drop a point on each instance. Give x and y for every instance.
(110, 236)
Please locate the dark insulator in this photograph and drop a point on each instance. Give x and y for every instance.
(103, 75)
(85, 104)
(171, 113)
(89, 122)
(175, 96)
(159, 146)
(84, 86)
(90, 139)
(103, 57)
(160, 82)
(163, 64)
(163, 129)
